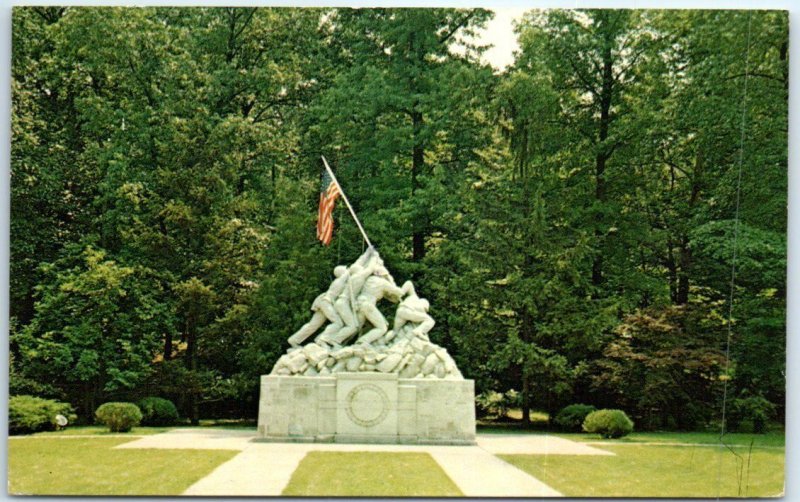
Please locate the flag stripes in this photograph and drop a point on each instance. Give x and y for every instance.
(327, 201)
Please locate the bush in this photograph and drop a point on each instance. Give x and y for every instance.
(608, 423)
(119, 417)
(28, 414)
(158, 411)
(756, 409)
(490, 403)
(495, 404)
(571, 417)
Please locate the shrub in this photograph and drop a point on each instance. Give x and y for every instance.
(158, 411)
(756, 409)
(495, 404)
(489, 403)
(571, 417)
(28, 414)
(608, 423)
(119, 417)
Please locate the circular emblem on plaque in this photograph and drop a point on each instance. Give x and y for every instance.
(367, 405)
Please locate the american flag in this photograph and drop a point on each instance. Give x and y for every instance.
(329, 192)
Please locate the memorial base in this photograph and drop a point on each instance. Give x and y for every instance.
(366, 408)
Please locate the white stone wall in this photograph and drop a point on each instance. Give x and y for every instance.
(367, 407)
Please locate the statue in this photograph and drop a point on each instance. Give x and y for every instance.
(377, 286)
(323, 310)
(413, 309)
(348, 305)
(359, 380)
(345, 304)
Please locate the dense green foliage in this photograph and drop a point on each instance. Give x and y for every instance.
(28, 414)
(119, 417)
(157, 411)
(593, 224)
(755, 409)
(608, 423)
(494, 404)
(571, 417)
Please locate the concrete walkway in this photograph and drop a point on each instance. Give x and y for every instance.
(478, 473)
(535, 444)
(196, 439)
(264, 469)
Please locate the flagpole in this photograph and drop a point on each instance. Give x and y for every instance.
(333, 177)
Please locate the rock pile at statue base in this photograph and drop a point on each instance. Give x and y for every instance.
(410, 358)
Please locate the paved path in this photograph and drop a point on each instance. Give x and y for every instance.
(264, 469)
(478, 473)
(179, 439)
(535, 444)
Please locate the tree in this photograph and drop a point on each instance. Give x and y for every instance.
(117, 315)
(400, 119)
(593, 59)
(176, 112)
(581, 223)
(49, 207)
(665, 366)
(722, 140)
(524, 315)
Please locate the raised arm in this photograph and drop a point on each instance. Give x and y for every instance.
(393, 290)
(364, 258)
(358, 276)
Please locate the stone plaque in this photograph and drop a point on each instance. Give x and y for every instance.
(367, 404)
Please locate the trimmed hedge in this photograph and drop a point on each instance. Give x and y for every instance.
(158, 411)
(27, 414)
(608, 423)
(571, 417)
(119, 417)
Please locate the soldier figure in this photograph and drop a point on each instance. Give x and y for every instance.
(378, 286)
(413, 309)
(345, 304)
(323, 310)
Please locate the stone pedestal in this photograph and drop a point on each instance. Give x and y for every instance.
(367, 408)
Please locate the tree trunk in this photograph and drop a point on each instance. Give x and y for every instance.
(526, 400)
(784, 56)
(417, 166)
(88, 401)
(672, 272)
(606, 94)
(685, 257)
(168, 346)
(191, 364)
(526, 335)
(684, 252)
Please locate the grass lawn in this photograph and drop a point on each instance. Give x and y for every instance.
(100, 430)
(40, 465)
(772, 439)
(661, 471)
(375, 474)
